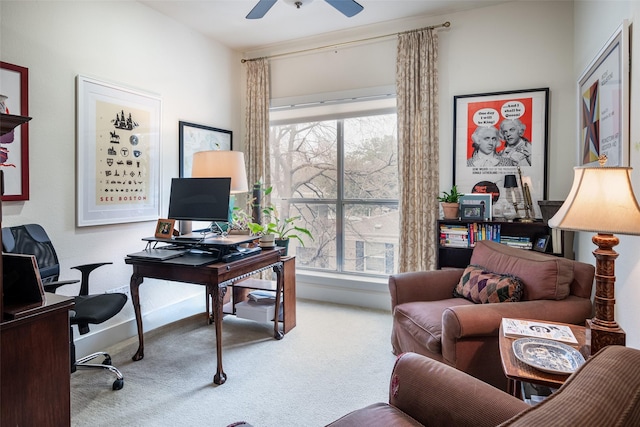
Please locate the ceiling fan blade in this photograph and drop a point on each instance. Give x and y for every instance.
(348, 8)
(260, 9)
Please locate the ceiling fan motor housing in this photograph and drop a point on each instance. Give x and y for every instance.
(298, 3)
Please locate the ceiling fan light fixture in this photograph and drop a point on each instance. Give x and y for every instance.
(298, 3)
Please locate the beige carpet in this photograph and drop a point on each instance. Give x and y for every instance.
(335, 360)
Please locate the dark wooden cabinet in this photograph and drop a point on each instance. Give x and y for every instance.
(457, 238)
(35, 366)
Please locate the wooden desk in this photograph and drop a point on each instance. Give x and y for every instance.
(36, 366)
(216, 277)
(517, 371)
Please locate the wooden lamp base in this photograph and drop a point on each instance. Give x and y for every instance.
(598, 337)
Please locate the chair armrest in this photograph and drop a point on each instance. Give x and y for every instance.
(53, 286)
(86, 270)
(484, 319)
(434, 393)
(432, 285)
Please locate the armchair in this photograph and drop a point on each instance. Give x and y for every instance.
(88, 309)
(428, 320)
(422, 391)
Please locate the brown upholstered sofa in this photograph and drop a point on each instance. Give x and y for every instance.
(605, 391)
(428, 320)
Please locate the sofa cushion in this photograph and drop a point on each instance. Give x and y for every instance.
(380, 414)
(422, 320)
(481, 286)
(544, 276)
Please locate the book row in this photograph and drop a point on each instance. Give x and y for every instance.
(466, 236)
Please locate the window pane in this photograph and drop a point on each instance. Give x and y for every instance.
(320, 220)
(371, 157)
(371, 238)
(303, 160)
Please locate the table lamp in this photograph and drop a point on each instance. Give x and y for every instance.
(222, 164)
(511, 182)
(601, 200)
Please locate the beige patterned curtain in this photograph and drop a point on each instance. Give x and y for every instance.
(417, 98)
(256, 144)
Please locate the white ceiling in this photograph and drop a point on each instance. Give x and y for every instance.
(224, 20)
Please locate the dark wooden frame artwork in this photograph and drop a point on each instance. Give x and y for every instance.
(23, 130)
(211, 138)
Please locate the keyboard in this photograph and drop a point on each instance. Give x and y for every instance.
(239, 253)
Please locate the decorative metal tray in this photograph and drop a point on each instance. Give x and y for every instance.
(548, 355)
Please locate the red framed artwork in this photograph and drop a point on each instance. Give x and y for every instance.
(14, 145)
(498, 134)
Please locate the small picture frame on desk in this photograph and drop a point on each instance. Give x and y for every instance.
(164, 228)
(472, 211)
(541, 243)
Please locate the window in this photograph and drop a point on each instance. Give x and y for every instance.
(340, 175)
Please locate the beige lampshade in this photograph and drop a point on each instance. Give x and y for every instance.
(221, 164)
(601, 200)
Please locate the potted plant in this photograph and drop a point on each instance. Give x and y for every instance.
(450, 203)
(282, 229)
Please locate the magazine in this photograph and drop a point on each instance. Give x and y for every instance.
(516, 328)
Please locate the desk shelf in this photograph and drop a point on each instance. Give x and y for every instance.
(239, 292)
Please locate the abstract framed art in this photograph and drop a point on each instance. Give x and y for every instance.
(603, 103)
(194, 137)
(14, 145)
(501, 133)
(118, 154)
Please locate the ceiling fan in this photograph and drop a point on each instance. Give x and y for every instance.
(348, 8)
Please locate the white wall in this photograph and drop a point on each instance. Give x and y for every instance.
(595, 22)
(132, 45)
(516, 45)
(490, 49)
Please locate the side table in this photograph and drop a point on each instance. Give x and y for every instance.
(517, 371)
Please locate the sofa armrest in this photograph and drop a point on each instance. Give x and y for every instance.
(483, 320)
(434, 393)
(432, 285)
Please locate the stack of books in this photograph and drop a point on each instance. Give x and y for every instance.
(454, 236)
(262, 297)
(517, 242)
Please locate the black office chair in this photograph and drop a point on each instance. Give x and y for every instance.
(31, 239)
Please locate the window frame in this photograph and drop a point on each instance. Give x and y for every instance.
(340, 202)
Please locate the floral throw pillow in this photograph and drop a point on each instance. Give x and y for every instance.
(481, 286)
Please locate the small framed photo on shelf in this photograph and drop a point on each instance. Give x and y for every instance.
(164, 228)
(483, 199)
(472, 211)
(541, 244)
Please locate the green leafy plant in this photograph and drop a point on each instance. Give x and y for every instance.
(450, 197)
(282, 228)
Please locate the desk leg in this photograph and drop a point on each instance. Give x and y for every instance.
(277, 334)
(218, 297)
(135, 283)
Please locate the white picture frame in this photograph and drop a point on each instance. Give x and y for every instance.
(603, 104)
(118, 153)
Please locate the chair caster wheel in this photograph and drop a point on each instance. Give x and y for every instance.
(118, 384)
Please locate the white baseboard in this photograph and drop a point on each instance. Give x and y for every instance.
(113, 334)
(357, 291)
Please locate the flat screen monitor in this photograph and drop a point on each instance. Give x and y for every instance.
(200, 199)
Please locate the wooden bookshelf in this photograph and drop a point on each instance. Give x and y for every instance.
(457, 254)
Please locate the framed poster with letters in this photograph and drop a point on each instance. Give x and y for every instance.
(118, 143)
(501, 133)
(603, 104)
